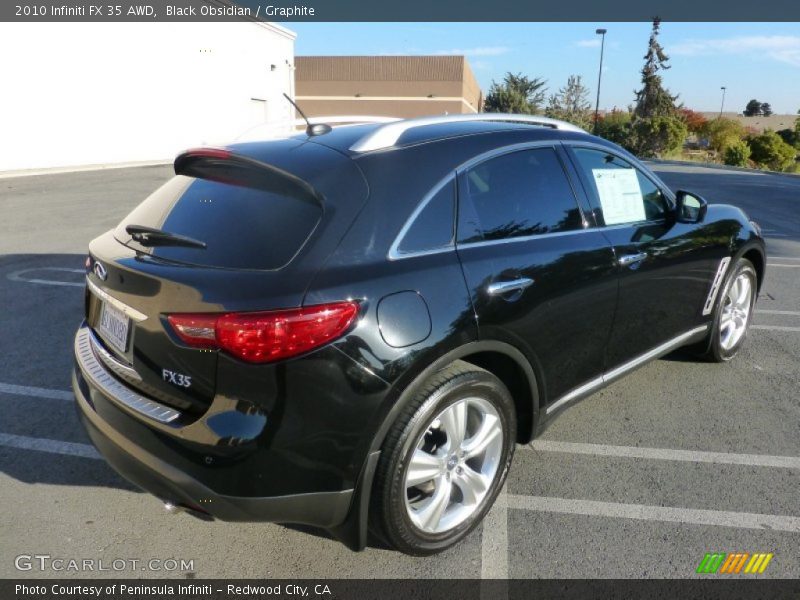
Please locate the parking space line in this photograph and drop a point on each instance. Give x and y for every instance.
(494, 541)
(774, 328)
(25, 390)
(793, 313)
(17, 276)
(755, 460)
(643, 512)
(46, 445)
(782, 265)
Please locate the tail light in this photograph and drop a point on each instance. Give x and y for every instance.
(262, 337)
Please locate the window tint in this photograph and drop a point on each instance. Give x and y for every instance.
(621, 192)
(518, 194)
(433, 226)
(242, 227)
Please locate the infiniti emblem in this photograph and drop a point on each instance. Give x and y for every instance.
(100, 271)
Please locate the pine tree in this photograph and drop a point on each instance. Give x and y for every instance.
(571, 103)
(653, 100)
(516, 94)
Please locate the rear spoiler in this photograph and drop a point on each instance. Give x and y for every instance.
(222, 165)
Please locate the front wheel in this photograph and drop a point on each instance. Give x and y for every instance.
(733, 312)
(444, 460)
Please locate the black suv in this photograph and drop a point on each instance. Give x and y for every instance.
(352, 328)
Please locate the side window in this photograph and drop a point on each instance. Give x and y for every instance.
(622, 193)
(432, 228)
(517, 194)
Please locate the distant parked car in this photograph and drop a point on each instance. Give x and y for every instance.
(352, 329)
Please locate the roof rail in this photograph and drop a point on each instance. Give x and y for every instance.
(277, 129)
(387, 135)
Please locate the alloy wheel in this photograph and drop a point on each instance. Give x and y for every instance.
(453, 465)
(735, 313)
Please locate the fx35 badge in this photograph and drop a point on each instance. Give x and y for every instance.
(176, 378)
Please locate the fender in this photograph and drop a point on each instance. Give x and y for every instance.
(353, 531)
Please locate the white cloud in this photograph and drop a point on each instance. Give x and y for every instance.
(782, 48)
(592, 43)
(479, 51)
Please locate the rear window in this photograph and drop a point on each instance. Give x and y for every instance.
(242, 227)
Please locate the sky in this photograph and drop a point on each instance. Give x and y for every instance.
(752, 60)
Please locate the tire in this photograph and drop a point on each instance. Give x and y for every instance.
(408, 494)
(732, 313)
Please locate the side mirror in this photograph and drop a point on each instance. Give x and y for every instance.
(690, 208)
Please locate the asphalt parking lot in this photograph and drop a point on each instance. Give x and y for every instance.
(640, 480)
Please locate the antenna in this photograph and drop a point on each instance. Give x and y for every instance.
(311, 130)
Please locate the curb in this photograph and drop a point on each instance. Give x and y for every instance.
(82, 168)
(717, 166)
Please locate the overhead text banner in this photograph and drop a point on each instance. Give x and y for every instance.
(102, 11)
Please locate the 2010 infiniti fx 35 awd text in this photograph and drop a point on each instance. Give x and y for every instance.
(352, 328)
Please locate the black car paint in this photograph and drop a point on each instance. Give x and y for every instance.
(257, 441)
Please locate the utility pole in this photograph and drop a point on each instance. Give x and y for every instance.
(600, 32)
(722, 106)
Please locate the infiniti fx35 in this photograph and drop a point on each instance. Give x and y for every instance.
(353, 328)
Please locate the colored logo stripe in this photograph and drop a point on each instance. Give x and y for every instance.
(732, 563)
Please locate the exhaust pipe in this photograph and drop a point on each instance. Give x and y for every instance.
(197, 513)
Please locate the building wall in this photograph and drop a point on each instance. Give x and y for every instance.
(86, 93)
(401, 86)
(774, 122)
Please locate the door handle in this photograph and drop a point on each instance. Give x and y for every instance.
(504, 287)
(627, 260)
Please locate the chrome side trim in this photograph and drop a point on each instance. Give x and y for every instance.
(712, 293)
(119, 305)
(526, 238)
(110, 361)
(387, 135)
(117, 392)
(582, 390)
(394, 252)
(615, 374)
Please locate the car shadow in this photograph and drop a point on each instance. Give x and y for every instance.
(42, 300)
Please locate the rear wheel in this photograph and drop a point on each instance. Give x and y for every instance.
(444, 460)
(733, 312)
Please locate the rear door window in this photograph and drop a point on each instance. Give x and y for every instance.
(432, 228)
(518, 194)
(242, 227)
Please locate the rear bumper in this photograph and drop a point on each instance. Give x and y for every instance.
(191, 466)
(321, 509)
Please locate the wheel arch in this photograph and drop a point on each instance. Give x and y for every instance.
(503, 360)
(756, 256)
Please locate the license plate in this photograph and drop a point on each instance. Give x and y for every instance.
(114, 326)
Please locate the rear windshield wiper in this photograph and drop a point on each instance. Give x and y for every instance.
(150, 236)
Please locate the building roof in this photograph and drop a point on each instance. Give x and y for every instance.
(382, 68)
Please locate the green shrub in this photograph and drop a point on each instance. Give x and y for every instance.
(657, 136)
(770, 151)
(615, 127)
(737, 154)
(722, 132)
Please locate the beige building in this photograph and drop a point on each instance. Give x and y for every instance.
(774, 122)
(392, 86)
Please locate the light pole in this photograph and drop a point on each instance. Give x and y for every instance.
(600, 32)
(722, 106)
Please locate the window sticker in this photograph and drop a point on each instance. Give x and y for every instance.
(620, 195)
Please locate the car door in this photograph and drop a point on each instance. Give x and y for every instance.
(664, 273)
(539, 277)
